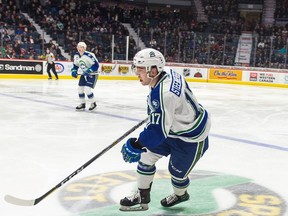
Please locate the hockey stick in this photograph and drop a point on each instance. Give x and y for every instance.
(23, 202)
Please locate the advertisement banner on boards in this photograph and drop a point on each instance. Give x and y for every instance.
(190, 72)
(284, 78)
(112, 69)
(62, 67)
(264, 77)
(124, 70)
(196, 73)
(225, 74)
(21, 67)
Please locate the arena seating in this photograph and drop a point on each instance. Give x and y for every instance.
(173, 31)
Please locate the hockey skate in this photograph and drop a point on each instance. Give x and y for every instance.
(81, 107)
(173, 199)
(138, 201)
(92, 106)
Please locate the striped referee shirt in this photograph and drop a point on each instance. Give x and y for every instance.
(50, 58)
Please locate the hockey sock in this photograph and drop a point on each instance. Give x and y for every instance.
(180, 185)
(145, 175)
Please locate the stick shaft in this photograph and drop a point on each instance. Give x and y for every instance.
(17, 201)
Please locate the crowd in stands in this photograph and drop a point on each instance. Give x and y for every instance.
(74, 21)
(271, 46)
(281, 9)
(200, 42)
(174, 32)
(19, 37)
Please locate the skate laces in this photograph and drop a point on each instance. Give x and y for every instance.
(171, 198)
(133, 196)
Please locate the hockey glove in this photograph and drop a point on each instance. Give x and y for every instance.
(74, 73)
(88, 72)
(131, 151)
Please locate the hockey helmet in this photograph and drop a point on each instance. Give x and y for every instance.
(82, 44)
(148, 58)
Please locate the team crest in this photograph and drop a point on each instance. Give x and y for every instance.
(82, 64)
(155, 104)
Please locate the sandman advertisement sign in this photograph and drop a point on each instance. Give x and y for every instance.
(21, 67)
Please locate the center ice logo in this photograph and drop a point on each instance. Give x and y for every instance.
(211, 194)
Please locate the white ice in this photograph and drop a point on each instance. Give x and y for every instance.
(43, 139)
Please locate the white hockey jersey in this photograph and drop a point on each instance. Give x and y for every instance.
(174, 112)
(87, 61)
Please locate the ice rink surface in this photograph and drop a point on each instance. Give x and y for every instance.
(43, 140)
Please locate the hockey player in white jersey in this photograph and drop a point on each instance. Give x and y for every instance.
(178, 126)
(86, 65)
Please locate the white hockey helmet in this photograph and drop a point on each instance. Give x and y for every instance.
(82, 44)
(148, 58)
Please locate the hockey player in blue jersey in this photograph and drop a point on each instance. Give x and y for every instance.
(86, 65)
(178, 126)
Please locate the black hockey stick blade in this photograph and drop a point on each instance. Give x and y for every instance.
(22, 202)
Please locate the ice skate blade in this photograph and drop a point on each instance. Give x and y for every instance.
(80, 110)
(141, 207)
(92, 110)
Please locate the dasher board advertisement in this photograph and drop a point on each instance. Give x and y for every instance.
(21, 67)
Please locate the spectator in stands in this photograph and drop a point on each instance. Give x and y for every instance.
(106, 59)
(31, 56)
(42, 56)
(31, 40)
(17, 49)
(9, 52)
(6, 37)
(17, 37)
(58, 52)
(153, 43)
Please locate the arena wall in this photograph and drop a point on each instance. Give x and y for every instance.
(33, 69)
